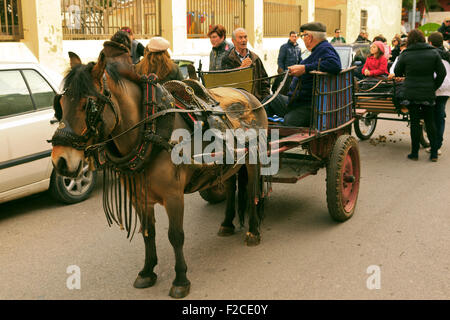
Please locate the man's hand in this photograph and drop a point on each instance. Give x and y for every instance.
(297, 70)
(367, 73)
(246, 62)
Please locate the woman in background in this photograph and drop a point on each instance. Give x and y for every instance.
(419, 62)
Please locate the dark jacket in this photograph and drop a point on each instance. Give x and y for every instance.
(445, 31)
(395, 53)
(175, 74)
(329, 62)
(137, 51)
(418, 63)
(261, 88)
(217, 54)
(361, 39)
(289, 55)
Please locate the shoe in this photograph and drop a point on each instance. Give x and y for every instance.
(413, 156)
(429, 151)
(433, 158)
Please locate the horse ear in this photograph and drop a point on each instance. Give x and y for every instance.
(99, 67)
(74, 59)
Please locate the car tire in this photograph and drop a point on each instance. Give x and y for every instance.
(73, 190)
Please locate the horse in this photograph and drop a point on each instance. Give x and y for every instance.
(106, 114)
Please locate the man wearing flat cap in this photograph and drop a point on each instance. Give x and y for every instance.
(295, 108)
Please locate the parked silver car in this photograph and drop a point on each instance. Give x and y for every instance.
(26, 122)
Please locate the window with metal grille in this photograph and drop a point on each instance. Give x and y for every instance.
(10, 20)
(364, 17)
(100, 19)
(330, 17)
(201, 15)
(280, 19)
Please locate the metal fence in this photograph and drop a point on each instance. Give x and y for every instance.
(280, 19)
(201, 15)
(331, 17)
(100, 19)
(10, 20)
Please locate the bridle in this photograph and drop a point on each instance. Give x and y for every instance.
(94, 108)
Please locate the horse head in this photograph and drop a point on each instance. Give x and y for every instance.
(84, 113)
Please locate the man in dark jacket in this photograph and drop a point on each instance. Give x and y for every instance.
(296, 106)
(289, 53)
(445, 29)
(241, 57)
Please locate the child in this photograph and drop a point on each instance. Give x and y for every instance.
(376, 63)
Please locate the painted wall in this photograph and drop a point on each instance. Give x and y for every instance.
(384, 17)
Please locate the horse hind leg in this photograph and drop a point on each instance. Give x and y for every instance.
(227, 227)
(175, 210)
(146, 277)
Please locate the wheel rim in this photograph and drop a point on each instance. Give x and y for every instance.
(78, 186)
(350, 180)
(366, 125)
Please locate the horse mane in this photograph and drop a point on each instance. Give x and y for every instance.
(79, 83)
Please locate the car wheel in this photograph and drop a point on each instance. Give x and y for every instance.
(73, 190)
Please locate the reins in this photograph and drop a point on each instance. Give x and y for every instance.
(173, 110)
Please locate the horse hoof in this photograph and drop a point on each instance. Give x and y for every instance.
(252, 240)
(145, 282)
(225, 231)
(179, 292)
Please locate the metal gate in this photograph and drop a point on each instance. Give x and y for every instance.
(11, 20)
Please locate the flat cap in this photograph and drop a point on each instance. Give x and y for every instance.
(313, 26)
(158, 44)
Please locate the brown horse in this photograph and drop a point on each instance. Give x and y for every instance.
(111, 124)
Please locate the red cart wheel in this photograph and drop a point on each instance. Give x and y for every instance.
(343, 175)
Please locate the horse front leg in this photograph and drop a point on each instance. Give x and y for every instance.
(227, 227)
(175, 211)
(253, 237)
(146, 277)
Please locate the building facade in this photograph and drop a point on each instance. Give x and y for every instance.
(49, 29)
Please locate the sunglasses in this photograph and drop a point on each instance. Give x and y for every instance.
(304, 35)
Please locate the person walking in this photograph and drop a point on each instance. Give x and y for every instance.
(137, 49)
(220, 47)
(436, 40)
(418, 63)
(337, 37)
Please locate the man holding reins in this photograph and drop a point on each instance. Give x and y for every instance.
(295, 108)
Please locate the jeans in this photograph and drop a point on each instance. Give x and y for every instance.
(415, 113)
(296, 115)
(439, 119)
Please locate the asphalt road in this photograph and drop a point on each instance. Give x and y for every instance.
(401, 226)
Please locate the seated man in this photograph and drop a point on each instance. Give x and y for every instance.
(296, 106)
(241, 57)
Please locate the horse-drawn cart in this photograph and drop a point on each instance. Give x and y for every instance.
(326, 143)
(378, 99)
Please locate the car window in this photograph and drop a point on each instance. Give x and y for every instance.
(41, 91)
(14, 95)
